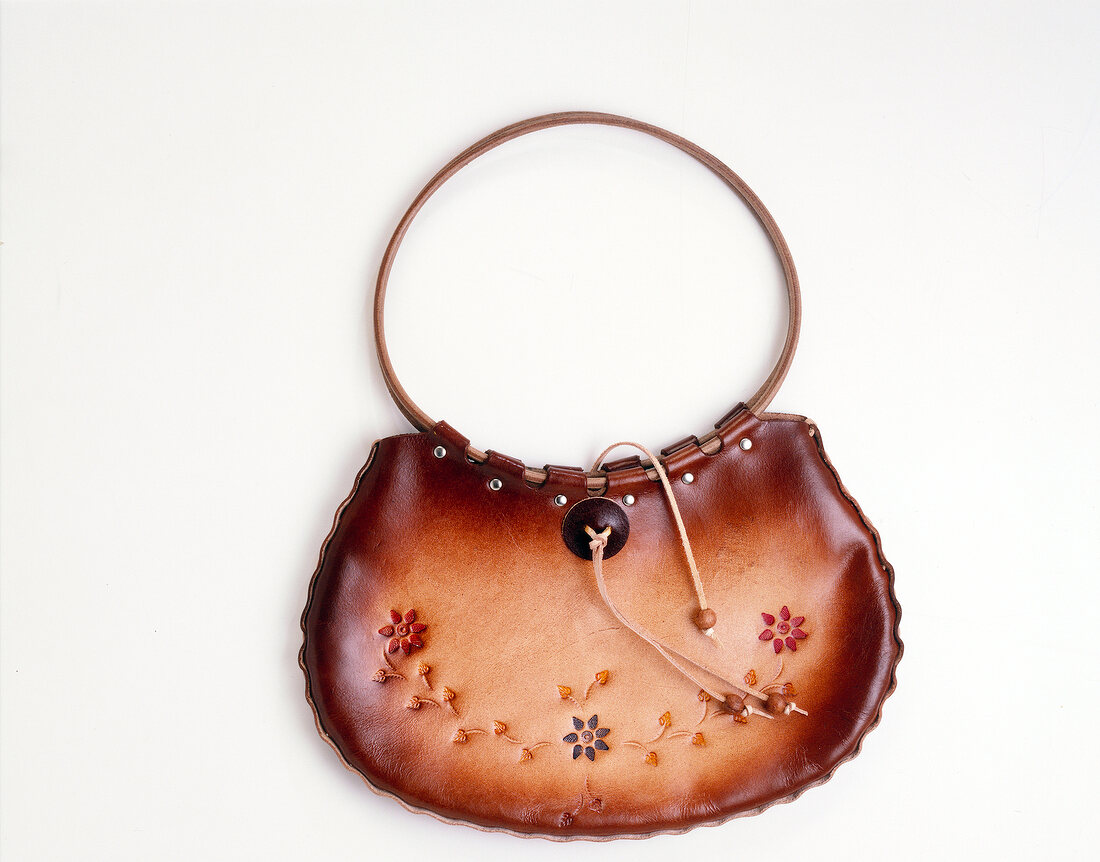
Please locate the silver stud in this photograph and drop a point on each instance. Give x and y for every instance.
(495, 484)
(745, 443)
(687, 478)
(439, 451)
(628, 500)
(560, 500)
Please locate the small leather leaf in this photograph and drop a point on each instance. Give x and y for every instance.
(565, 691)
(665, 720)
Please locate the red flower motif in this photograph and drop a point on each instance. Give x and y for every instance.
(789, 633)
(404, 634)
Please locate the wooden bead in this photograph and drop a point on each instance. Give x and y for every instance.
(775, 704)
(705, 618)
(734, 704)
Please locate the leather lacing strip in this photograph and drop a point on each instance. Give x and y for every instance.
(705, 619)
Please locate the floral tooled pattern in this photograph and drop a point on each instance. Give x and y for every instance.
(405, 635)
(787, 630)
(588, 738)
(665, 722)
(565, 692)
(404, 632)
(586, 800)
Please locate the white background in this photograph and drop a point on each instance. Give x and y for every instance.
(195, 198)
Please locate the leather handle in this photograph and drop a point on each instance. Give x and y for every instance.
(758, 402)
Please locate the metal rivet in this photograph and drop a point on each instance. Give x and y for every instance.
(439, 451)
(561, 500)
(687, 478)
(628, 500)
(495, 484)
(745, 443)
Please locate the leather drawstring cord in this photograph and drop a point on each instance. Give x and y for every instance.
(706, 618)
(705, 615)
(598, 543)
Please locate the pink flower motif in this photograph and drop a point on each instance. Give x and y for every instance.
(787, 632)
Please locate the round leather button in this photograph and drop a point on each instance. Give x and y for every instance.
(599, 513)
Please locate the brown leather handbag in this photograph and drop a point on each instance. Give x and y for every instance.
(663, 641)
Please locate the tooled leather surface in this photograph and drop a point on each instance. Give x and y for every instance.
(511, 615)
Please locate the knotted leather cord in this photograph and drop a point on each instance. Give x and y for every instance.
(597, 545)
(596, 483)
(674, 658)
(663, 476)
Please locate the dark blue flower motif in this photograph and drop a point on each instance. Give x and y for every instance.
(588, 740)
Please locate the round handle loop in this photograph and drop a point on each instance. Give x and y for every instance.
(758, 402)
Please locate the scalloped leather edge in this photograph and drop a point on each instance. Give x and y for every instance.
(856, 748)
